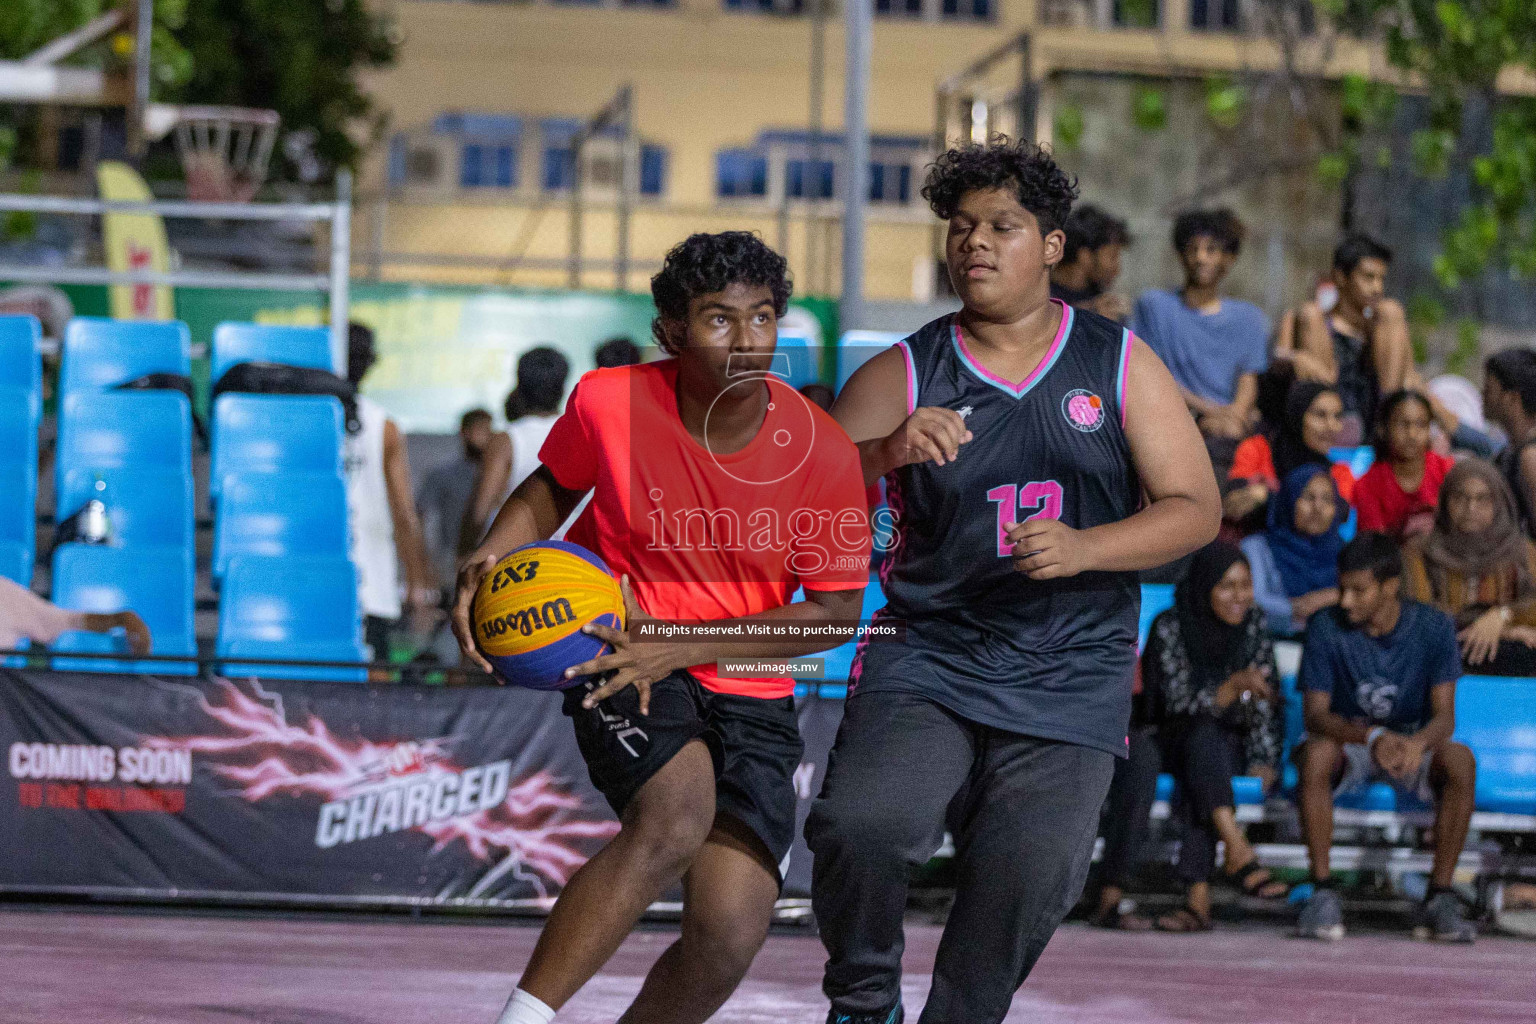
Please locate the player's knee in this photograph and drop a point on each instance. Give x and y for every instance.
(860, 827)
(726, 945)
(1319, 759)
(667, 838)
(1457, 764)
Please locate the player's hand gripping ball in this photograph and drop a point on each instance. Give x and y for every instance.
(528, 613)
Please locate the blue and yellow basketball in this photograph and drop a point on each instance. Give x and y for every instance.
(529, 610)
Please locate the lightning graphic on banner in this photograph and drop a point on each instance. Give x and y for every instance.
(368, 789)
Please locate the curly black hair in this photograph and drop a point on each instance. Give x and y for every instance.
(1221, 225)
(702, 263)
(1027, 170)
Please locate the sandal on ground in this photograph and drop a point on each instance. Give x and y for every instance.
(1185, 920)
(1115, 919)
(1265, 888)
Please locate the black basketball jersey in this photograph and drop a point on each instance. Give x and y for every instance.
(1050, 658)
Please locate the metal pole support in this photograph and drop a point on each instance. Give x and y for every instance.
(859, 17)
(341, 267)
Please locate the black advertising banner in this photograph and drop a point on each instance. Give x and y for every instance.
(321, 792)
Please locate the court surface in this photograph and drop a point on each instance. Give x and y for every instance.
(63, 966)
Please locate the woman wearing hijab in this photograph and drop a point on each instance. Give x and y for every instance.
(1477, 566)
(1307, 431)
(1211, 666)
(1295, 560)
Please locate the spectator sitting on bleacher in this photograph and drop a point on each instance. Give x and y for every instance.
(1091, 262)
(532, 407)
(1479, 568)
(1215, 346)
(1509, 401)
(25, 616)
(1378, 675)
(1211, 665)
(1398, 495)
(1295, 560)
(1361, 344)
(1307, 431)
(385, 532)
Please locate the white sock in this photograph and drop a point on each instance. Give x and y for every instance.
(523, 1008)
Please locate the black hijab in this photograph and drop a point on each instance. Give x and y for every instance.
(1214, 648)
(1290, 451)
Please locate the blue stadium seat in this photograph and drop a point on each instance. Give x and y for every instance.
(855, 348)
(21, 362)
(1357, 459)
(798, 360)
(101, 353)
(1496, 717)
(1246, 789)
(154, 582)
(269, 343)
(18, 484)
(280, 514)
(148, 508)
(839, 660)
(275, 434)
(123, 429)
(291, 608)
(1156, 598)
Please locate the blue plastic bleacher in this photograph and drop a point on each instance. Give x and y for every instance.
(270, 343)
(281, 514)
(118, 429)
(798, 360)
(154, 582)
(21, 361)
(275, 434)
(855, 348)
(1496, 717)
(291, 608)
(101, 353)
(1156, 598)
(18, 484)
(148, 507)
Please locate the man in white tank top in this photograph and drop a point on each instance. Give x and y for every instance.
(532, 408)
(385, 532)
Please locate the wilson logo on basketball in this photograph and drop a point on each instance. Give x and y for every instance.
(528, 620)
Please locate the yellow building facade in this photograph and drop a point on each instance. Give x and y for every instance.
(472, 183)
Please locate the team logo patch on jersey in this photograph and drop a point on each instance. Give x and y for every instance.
(1084, 410)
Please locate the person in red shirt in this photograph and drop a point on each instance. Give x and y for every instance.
(1308, 428)
(717, 490)
(1398, 495)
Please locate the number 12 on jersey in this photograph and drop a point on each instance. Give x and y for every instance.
(1043, 496)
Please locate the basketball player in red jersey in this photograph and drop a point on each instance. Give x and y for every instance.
(716, 491)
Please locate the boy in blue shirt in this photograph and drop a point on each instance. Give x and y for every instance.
(1379, 677)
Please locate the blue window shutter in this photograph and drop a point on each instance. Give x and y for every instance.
(653, 170)
(469, 167)
(876, 182)
(904, 184)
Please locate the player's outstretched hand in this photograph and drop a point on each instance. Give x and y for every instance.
(931, 433)
(632, 664)
(1047, 549)
(471, 572)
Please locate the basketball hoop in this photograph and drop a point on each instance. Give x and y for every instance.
(224, 150)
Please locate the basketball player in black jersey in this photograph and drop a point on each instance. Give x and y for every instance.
(1036, 457)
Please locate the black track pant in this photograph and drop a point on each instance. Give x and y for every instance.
(1023, 813)
(1202, 755)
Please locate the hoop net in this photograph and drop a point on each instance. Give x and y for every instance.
(224, 151)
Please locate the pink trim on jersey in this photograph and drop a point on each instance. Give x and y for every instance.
(1051, 355)
(911, 377)
(1127, 342)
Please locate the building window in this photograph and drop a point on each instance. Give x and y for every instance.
(890, 183)
(739, 173)
(806, 179)
(973, 10)
(899, 8)
(487, 166)
(767, 6)
(653, 170)
(1137, 14)
(1215, 15)
(559, 168)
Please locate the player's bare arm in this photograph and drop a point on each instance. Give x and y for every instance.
(533, 512)
(1183, 504)
(872, 408)
(639, 664)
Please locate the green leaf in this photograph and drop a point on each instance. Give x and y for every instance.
(1068, 126)
(1149, 109)
(1333, 168)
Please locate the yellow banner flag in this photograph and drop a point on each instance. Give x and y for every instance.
(134, 241)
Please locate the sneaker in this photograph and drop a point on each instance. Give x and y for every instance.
(1322, 916)
(1444, 919)
(895, 1015)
